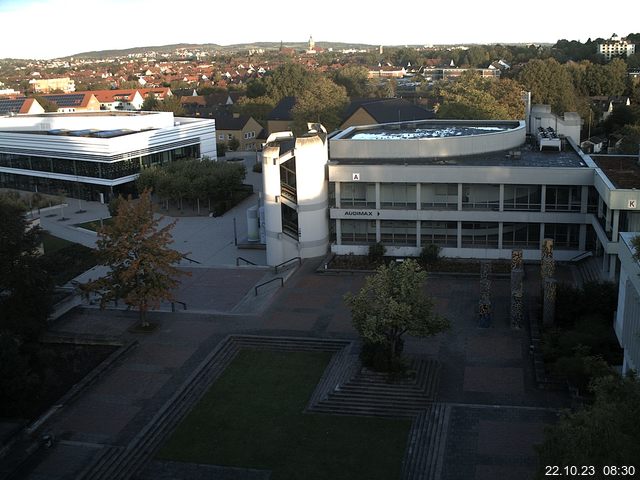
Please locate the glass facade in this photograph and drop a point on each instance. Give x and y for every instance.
(480, 197)
(522, 197)
(439, 196)
(563, 198)
(398, 232)
(398, 195)
(565, 236)
(521, 235)
(357, 195)
(358, 232)
(444, 234)
(480, 235)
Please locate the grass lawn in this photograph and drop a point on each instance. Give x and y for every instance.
(66, 260)
(94, 225)
(252, 417)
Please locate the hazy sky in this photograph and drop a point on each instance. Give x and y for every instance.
(54, 28)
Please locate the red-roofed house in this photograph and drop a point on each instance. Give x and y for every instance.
(112, 100)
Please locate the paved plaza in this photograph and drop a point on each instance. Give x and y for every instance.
(496, 412)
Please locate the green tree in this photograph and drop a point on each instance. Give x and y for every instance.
(141, 264)
(604, 433)
(172, 104)
(150, 104)
(474, 97)
(25, 286)
(48, 105)
(355, 79)
(323, 101)
(550, 83)
(391, 304)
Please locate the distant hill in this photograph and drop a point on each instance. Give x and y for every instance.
(216, 47)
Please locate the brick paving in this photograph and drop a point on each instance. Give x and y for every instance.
(479, 367)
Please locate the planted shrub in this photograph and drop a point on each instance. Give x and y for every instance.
(429, 255)
(377, 252)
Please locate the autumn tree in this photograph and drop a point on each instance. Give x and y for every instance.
(474, 97)
(355, 79)
(322, 102)
(142, 269)
(391, 304)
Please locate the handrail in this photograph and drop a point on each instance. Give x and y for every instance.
(582, 256)
(287, 261)
(191, 259)
(267, 282)
(173, 305)
(244, 260)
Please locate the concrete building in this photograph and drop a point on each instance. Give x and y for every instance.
(478, 189)
(95, 155)
(243, 128)
(47, 85)
(295, 196)
(616, 47)
(627, 321)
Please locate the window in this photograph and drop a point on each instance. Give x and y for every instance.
(398, 232)
(480, 197)
(398, 195)
(444, 234)
(563, 198)
(565, 236)
(357, 195)
(480, 235)
(439, 196)
(358, 232)
(521, 235)
(230, 136)
(522, 197)
(221, 136)
(289, 221)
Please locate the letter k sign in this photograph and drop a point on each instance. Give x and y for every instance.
(631, 203)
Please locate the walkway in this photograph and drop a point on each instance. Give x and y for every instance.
(494, 413)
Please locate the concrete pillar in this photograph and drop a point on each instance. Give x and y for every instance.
(543, 199)
(541, 236)
(378, 196)
(584, 199)
(500, 226)
(418, 240)
(378, 232)
(501, 199)
(613, 260)
(459, 198)
(600, 206)
(582, 240)
(607, 222)
(517, 289)
(337, 190)
(418, 197)
(549, 301)
(459, 234)
(338, 231)
(615, 226)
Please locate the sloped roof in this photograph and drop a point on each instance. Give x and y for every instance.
(15, 105)
(69, 100)
(229, 122)
(282, 111)
(387, 110)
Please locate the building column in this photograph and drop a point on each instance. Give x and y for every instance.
(418, 197)
(459, 235)
(500, 228)
(501, 201)
(459, 200)
(418, 240)
(378, 232)
(582, 238)
(584, 199)
(337, 194)
(378, 200)
(543, 201)
(338, 231)
(615, 226)
(607, 221)
(600, 206)
(541, 235)
(612, 267)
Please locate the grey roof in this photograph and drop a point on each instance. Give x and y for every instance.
(66, 100)
(385, 110)
(229, 122)
(282, 111)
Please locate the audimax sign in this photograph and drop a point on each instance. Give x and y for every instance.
(361, 213)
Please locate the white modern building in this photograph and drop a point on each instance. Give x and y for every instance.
(627, 322)
(616, 47)
(478, 189)
(94, 155)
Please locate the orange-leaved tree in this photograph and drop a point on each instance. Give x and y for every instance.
(142, 269)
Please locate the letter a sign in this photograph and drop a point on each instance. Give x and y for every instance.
(632, 203)
(356, 177)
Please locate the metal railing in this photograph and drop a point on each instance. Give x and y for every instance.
(255, 289)
(191, 260)
(248, 262)
(581, 256)
(286, 262)
(173, 305)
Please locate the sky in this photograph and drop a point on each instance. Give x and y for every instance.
(55, 28)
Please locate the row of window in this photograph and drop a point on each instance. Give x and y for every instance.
(113, 170)
(474, 196)
(445, 234)
(229, 136)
